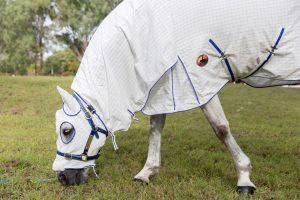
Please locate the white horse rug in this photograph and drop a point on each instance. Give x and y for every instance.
(163, 56)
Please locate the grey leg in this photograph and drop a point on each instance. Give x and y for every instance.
(152, 164)
(216, 117)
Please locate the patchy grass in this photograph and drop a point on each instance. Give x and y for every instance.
(195, 165)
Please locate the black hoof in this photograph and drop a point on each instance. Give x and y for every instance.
(246, 190)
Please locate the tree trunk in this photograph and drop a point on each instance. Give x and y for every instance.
(36, 64)
(77, 53)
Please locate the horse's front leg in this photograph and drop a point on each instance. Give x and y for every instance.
(216, 117)
(152, 165)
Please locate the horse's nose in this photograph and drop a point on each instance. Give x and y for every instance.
(72, 177)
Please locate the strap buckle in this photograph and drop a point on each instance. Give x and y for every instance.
(84, 157)
(91, 109)
(87, 115)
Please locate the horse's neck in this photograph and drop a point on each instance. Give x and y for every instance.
(113, 108)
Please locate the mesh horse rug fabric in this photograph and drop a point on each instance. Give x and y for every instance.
(163, 56)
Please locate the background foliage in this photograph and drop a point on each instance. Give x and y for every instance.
(31, 30)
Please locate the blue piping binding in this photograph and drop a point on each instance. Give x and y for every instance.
(71, 115)
(271, 52)
(148, 95)
(132, 114)
(189, 79)
(174, 103)
(224, 57)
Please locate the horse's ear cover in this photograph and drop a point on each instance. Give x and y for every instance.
(70, 104)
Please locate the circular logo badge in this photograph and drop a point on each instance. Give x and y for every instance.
(202, 60)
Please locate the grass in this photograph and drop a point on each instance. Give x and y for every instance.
(195, 165)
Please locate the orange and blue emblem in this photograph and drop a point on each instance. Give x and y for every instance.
(202, 60)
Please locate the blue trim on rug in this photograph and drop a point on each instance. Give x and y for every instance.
(154, 85)
(174, 103)
(132, 114)
(276, 85)
(194, 107)
(189, 80)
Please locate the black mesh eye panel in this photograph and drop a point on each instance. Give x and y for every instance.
(67, 132)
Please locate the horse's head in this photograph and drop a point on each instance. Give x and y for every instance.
(81, 134)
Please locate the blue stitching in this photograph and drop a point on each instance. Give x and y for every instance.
(61, 133)
(189, 79)
(174, 103)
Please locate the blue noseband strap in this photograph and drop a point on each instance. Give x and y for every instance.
(77, 157)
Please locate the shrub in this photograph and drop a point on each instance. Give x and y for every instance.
(61, 63)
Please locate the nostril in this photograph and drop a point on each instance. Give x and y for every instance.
(81, 177)
(62, 178)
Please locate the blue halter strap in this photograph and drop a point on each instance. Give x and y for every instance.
(94, 133)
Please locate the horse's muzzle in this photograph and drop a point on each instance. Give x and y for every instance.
(72, 177)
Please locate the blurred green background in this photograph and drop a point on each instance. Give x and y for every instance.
(47, 37)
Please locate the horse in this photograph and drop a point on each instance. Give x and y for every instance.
(161, 57)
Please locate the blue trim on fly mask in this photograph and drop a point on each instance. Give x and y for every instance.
(70, 115)
(224, 57)
(273, 48)
(94, 132)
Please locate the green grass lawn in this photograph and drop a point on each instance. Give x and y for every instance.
(195, 165)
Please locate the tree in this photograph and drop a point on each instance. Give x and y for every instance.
(77, 20)
(25, 33)
(2, 42)
(15, 37)
(29, 27)
(62, 62)
(40, 10)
